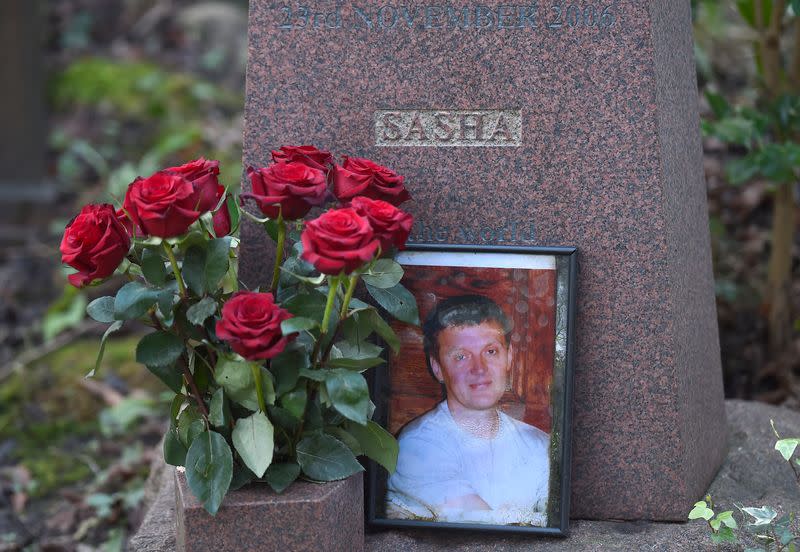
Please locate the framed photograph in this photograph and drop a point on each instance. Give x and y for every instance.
(480, 396)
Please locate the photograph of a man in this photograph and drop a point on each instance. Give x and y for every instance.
(465, 460)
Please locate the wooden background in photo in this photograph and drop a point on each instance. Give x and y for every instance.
(528, 299)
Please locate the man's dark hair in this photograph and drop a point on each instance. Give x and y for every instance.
(462, 310)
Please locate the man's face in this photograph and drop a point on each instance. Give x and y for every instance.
(474, 363)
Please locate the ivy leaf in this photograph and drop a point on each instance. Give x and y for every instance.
(280, 475)
(209, 469)
(133, 300)
(787, 447)
(200, 311)
(398, 301)
(102, 309)
(377, 443)
(762, 516)
(701, 510)
(325, 458)
(384, 274)
(159, 349)
(253, 438)
(111, 329)
(349, 394)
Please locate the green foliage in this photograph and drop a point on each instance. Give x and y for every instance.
(324, 458)
(253, 440)
(209, 469)
(761, 523)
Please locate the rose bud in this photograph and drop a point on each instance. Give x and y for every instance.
(390, 224)
(95, 242)
(290, 188)
(222, 220)
(203, 174)
(362, 177)
(251, 325)
(163, 205)
(338, 241)
(309, 155)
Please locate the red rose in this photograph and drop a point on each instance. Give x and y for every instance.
(309, 155)
(94, 243)
(390, 224)
(251, 325)
(338, 241)
(203, 174)
(163, 205)
(362, 177)
(222, 220)
(292, 186)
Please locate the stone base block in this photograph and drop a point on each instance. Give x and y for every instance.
(307, 516)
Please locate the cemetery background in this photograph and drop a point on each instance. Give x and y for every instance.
(132, 85)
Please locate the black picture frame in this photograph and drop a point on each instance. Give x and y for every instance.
(565, 261)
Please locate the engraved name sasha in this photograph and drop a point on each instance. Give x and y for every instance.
(552, 15)
(448, 127)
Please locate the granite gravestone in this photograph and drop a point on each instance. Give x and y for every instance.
(550, 122)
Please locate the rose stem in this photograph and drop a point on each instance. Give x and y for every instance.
(276, 272)
(333, 287)
(187, 374)
(351, 287)
(256, 371)
(175, 269)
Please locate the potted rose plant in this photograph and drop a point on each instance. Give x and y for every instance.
(268, 383)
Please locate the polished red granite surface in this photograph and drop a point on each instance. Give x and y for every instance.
(549, 123)
(306, 517)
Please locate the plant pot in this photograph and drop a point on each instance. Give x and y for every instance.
(307, 516)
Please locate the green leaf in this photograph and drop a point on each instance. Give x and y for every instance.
(723, 535)
(715, 524)
(384, 274)
(174, 449)
(169, 375)
(241, 476)
(349, 394)
(297, 324)
(159, 349)
(102, 309)
(205, 264)
(253, 438)
(734, 130)
(315, 375)
(383, 329)
(153, 267)
(286, 368)
(281, 474)
(307, 305)
(719, 105)
(356, 327)
(742, 170)
(701, 510)
(133, 300)
(209, 469)
(762, 516)
(324, 458)
(218, 412)
(111, 329)
(283, 419)
(200, 311)
(398, 301)
(345, 437)
(748, 12)
(377, 443)
(357, 364)
(795, 4)
(356, 350)
(294, 402)
(237, 380)
(728, 519)
(186, 419)
(787, 447)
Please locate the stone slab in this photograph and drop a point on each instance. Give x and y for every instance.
(753, 474)
(306, 517)
(598, 148)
